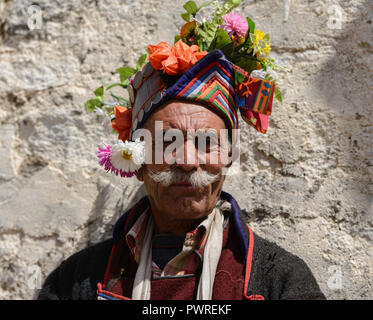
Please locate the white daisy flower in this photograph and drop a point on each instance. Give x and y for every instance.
(128, 156)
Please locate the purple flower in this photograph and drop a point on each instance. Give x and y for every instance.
(104, 155)
(235, 24)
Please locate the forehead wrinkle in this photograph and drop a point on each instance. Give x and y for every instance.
(187, 121)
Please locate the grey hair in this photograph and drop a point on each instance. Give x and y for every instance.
(197, 179)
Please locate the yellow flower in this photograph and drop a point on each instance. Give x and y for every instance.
(260, 44)
(259, 35)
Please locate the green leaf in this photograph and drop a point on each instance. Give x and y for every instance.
(141, 61)
(186, 16)
(251, 25)
(278, 94)
(126, 72)
(221, 40)
(228, 50)
(125, 82)
(99, 92)
(191, 7)
(247, 63)
(91, 104)
(113, 85)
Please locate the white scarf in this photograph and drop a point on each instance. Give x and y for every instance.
(214, 231)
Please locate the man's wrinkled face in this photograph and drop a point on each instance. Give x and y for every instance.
(189, 187)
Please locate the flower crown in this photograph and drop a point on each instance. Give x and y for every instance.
(234, 35)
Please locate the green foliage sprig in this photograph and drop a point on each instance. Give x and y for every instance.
(125, 73)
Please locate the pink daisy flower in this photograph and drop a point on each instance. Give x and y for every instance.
(104, 157)
(235, 24)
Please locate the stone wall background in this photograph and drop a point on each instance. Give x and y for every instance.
(306, 184)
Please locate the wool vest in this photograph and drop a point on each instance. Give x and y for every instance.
(232, 274)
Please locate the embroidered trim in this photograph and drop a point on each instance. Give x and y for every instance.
(107, 295)
(255, 297)
(249, 260)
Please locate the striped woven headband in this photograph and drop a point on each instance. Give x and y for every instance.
(209, 82)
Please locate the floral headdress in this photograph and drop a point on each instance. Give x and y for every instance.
(220, 60)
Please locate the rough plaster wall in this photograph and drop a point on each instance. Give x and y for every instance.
(306, 184)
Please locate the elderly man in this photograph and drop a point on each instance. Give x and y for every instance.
(187, 239)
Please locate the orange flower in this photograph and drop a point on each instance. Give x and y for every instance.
(184, 54)
(122, 123)
(158, 53)
(175, 60)
(170, 65)
(198, 54)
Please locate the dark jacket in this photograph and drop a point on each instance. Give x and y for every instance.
(272, 273)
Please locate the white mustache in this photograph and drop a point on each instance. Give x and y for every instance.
(197, 179)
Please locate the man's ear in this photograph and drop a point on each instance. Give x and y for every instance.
(140, 174)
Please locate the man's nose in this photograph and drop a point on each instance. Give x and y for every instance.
(187, 159)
